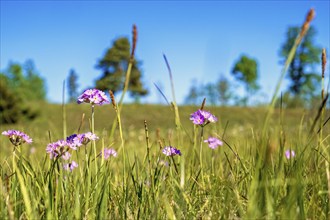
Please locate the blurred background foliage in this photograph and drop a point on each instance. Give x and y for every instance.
(22, 92)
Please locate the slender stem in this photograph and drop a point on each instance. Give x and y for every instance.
(14, 182)
(64, 111)
(86, 157)
(93, 119)
(128, 74)
(201, 153)
(195, 144)
(93, 142)
(212, 164)
(14, 156)
(176, 169)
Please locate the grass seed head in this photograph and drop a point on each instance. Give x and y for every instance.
(134, 41)
(324, 61)
(310, 16)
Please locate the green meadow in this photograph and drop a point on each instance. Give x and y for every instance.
(247, 177)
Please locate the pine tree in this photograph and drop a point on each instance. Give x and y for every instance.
(114, 65)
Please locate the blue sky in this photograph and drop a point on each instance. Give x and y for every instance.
(201, 39)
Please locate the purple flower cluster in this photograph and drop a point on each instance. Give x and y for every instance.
(93, 96)
(290, 154)
(171, 151)
(213, 142)
(59, 148)
(107, 152)
(17, 137)
(76, 140)
(201, 117)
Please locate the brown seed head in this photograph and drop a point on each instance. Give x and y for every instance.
(134, 41)
(113, 101)
(203, 104)
(324, 61)
(310, 16)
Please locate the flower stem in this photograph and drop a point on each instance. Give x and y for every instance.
(93, 142)
(201, 154)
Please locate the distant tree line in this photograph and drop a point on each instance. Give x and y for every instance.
(304, 88)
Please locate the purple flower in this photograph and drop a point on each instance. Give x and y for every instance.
(89, 136)
(289, 154)
(61, 147)
(57, 148)
(171, 151)
(70, 166)
(107, 152)
(201, 117)
(84, 139)
(17, 137)
(71, 142)
(93, 96)
(213, 142)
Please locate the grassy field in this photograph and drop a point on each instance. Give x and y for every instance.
(238, 123)
(248, 177)
(251, 176)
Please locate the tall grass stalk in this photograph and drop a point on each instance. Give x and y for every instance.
(261, 184)
(326, 152)
(177, 120)
(288, 61)
(93, 141)
(64, 112)
(24, 191)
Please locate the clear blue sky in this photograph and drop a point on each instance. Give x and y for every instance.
(201, 39)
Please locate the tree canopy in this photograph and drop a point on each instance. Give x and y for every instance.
(304, 79)
(20, 85)
(114, 65)
(245, 70)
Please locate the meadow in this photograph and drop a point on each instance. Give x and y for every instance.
(167, 162)
(247, 177)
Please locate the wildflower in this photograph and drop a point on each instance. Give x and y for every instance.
(171, 151)
(89, 136)
(213, 142)
(93, 96)
(201, 117)
(70, 166)
(107, 152)
(289, 154)
(57, 148)
(17, 137)
(84, 139)
(72, 143)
